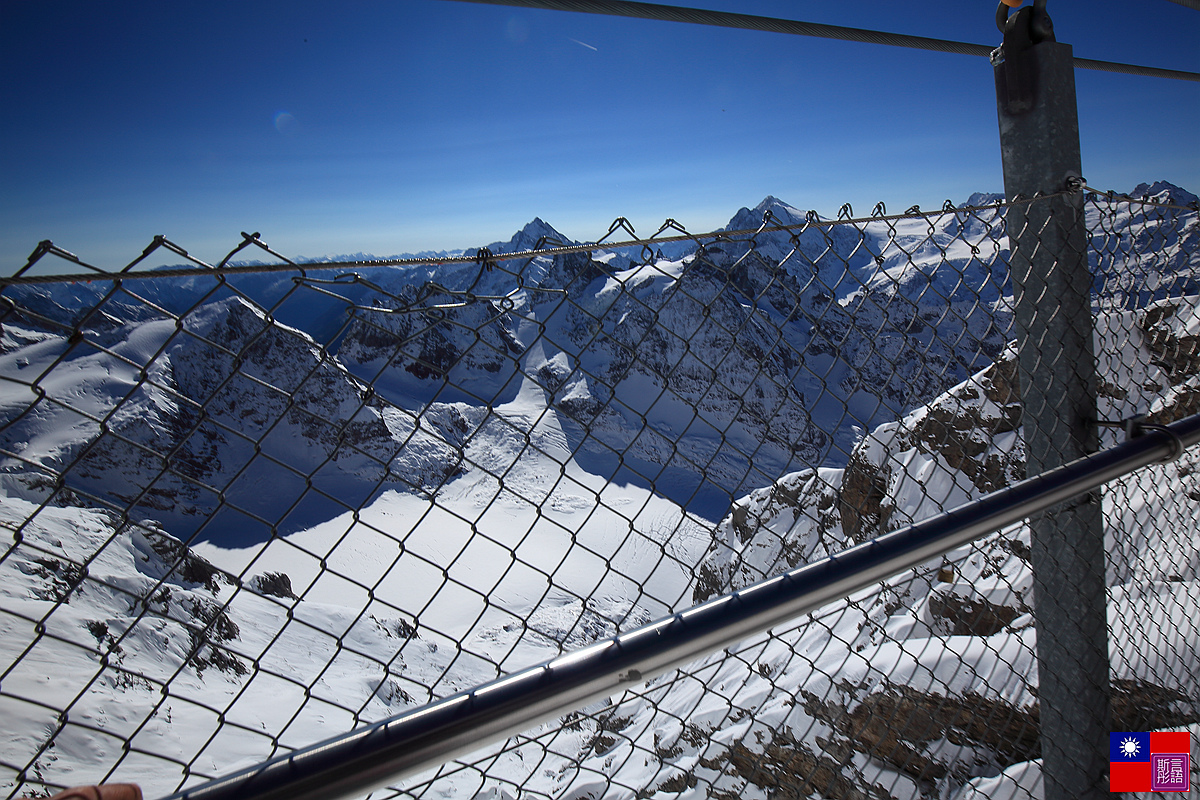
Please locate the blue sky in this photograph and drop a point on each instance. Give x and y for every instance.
(389, 127)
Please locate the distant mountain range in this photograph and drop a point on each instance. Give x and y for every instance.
(410, 481)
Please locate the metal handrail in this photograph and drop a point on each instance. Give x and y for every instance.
(391, 750)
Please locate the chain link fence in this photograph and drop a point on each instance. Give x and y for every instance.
(249, 507)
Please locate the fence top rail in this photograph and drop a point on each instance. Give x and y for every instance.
(484, 257)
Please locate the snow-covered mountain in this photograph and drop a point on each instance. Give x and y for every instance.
(305, 509)
(900, 720)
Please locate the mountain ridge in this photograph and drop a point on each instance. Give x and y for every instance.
(404, 488)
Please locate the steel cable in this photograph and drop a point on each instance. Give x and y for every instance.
(20, 278)
(726, 19)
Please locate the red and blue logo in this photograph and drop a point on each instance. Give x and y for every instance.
(1150, 762)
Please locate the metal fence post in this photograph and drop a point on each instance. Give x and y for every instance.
(1039, 139)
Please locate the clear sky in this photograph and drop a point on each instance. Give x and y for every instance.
(404, 125)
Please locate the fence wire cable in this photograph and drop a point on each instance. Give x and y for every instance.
(225, 267)
(726, 19)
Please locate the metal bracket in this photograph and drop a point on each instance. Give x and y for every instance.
(1136, 427)
(1015, 59)
(486, 259)
(1042, 27)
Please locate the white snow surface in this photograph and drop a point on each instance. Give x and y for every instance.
(546, 497)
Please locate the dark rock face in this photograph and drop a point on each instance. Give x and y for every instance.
(863, 499)
(972, 616)
(434, 335)
(960, 428)
(276, 584)
(1177, 353)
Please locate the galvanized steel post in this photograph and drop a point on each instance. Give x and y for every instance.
(1039, 139)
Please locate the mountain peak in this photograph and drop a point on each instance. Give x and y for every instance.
(783, 213)
(1165, 191)
(985, 198)
(780, 210)
(528, 237)
(540, 227)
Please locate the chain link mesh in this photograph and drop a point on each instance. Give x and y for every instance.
(248, 510)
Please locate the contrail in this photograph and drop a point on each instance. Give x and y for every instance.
(585, 44)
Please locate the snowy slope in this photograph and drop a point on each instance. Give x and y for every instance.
(974, 604)
(303, 512)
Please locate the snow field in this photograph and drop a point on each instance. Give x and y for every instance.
(511, 526)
